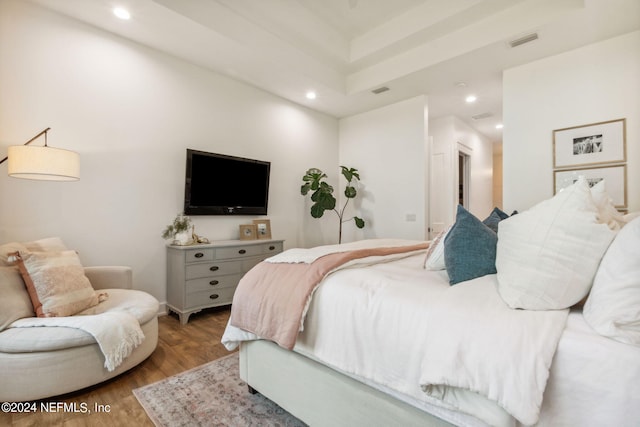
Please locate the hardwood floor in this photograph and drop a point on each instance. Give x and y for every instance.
(180, 347)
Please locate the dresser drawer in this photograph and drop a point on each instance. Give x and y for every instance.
(248, 264)
(212, 283)
(194, 255)
(272, 248)
(210, 298)
(208, 269)
(238, 251)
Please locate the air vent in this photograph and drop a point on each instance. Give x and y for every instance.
(481, 116)
(380, 90)
(522, 40)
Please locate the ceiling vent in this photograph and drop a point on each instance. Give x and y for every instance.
(481, 116)
(380, 90)
(522, 40)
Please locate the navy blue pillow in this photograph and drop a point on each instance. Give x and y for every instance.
(469, 248)
(494, 218)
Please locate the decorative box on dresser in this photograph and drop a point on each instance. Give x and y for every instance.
(206, 275)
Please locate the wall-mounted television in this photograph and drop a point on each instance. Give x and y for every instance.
(218, 184)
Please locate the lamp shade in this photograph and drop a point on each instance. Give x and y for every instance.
(43, 163)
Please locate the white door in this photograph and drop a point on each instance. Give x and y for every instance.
(441, 187)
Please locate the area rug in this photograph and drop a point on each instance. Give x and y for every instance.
(210, 395)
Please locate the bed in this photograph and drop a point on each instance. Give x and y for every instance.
(382, 340)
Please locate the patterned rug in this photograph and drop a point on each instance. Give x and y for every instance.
(210, 395)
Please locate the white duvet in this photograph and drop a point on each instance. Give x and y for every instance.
(476, 342)
(309, 255)
(405, 329)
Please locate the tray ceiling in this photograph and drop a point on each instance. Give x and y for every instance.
(345, 49)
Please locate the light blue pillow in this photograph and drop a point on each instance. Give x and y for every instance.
(469, 248)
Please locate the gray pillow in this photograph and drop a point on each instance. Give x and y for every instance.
(469, 248)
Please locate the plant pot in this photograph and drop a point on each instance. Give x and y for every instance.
(183, 238)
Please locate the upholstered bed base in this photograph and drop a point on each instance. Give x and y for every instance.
(321, 396)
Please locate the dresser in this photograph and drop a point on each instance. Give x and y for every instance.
(203, 276)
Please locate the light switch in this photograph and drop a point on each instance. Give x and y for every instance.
(410, 217)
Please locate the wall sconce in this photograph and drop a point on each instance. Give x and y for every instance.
(42, 163)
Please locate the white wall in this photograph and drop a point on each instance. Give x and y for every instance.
(592, 84)
(388, 147)
(497, 175)
(131, 112)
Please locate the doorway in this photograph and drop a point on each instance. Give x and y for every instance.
(464, 171)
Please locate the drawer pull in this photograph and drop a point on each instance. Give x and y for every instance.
(271, 248)
(242, 251)
(214, 282)
(199, 255)
(214, 268)
(214, 296)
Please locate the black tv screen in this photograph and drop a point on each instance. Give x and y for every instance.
(217, 184)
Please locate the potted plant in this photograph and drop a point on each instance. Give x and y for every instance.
(180, 230)
(322, 196)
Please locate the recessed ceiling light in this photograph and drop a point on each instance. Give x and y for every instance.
(499, 126)
(122, 13)
(311, 95)
(471, 98)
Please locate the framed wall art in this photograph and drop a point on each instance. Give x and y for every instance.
(248, 232)
(615, 181)
(263, 228)
(597, 143)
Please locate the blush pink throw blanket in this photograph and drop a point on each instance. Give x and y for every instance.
(271, 299)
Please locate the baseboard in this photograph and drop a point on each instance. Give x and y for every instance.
(162, 309)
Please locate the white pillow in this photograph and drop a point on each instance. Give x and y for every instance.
(56, 283)
(547, 256)
(607, 212)
(613, 307)
(434, 259)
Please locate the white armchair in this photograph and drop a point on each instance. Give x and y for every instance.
(41, 362)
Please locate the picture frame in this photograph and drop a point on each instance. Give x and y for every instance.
(263, 229)
(248, 232)
(592, 144)
(615, 181)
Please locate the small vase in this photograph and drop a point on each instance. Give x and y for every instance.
(182, 238)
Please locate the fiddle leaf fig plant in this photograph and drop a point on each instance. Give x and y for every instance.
(322, 194)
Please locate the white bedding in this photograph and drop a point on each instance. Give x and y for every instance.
(395, 341)
(309, 255)
(474, 341)
(594, 380)
(381, 352)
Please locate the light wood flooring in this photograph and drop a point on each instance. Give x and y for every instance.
(180, 347)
